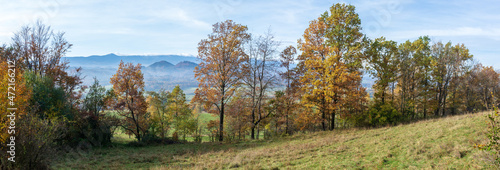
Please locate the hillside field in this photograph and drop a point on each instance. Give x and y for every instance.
(444, 143)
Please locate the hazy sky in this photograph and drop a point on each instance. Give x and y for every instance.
(175, 27)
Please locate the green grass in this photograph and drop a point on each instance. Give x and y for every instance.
(445, 143)
(205, 117)
(120, 137)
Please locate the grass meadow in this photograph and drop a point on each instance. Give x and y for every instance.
(444, 143)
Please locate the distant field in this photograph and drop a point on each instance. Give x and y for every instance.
(445, 143)
(189, 93)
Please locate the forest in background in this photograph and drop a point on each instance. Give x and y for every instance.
(245, 81)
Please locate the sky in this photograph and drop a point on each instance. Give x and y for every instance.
(98, 27)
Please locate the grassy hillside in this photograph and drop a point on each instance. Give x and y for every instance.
(439, 144)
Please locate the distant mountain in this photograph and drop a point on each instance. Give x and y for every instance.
(186, 65)
(159, 70)
(113, 60)
(161, 65)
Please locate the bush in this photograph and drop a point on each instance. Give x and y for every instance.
(47, 100)
(383, 114)
(197, 138)
(87, 128)
(151, 139)
(35, 144)
(493, 145)
(175, 136)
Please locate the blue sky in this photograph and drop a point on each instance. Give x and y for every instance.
(175, 27)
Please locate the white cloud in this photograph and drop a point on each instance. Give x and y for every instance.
(178, 15)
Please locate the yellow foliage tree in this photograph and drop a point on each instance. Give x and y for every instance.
(331, 59)
(14, 94)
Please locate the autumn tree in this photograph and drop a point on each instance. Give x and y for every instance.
(161, 118)
(16, 95)
(38, 49)
(331, 57)
(128, 85)
(6, 54)
(239, 115)
(448, 62)
(289, 75)
(483, 86)
(54, 92)
(277, 108)
(219, 71)
(260, 75)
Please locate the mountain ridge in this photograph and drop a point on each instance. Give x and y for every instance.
(113, 60)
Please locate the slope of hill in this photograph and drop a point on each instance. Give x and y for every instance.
(161, 65)
(445, 143)
(186, 65)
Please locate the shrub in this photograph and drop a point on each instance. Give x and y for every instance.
(151, 139)
(175, 136)
(493, 143)
(35, 144)
(90, 129)
(383, 114)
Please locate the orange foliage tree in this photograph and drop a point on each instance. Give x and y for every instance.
(128, 86)
(219, 72)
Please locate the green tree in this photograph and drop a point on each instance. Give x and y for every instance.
(47, 100)
(383, 65)
(94, 100)
(414, 76)
(160, 118)
(184, 121)
(448, 63)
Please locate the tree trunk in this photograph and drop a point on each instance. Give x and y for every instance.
(323, 116)
(221, 123)
(332, 123)
(258, 131)
(286, 121)
(253, 124)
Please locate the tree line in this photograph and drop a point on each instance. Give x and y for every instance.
(245, 78)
